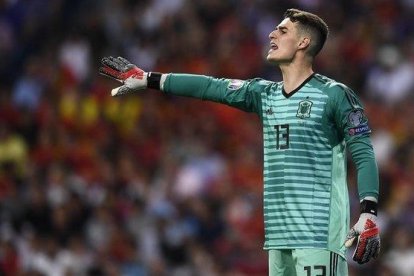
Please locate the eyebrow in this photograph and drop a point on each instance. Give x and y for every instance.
(282, 28)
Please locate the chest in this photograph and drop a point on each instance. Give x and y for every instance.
(305, 108)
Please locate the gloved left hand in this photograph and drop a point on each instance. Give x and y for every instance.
(367, 233)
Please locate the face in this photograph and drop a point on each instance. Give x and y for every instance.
(284, 42)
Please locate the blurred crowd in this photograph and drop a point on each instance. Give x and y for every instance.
(149, 184)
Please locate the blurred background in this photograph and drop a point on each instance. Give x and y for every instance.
(154, 185)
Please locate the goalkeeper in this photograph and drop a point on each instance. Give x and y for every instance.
(309, 121)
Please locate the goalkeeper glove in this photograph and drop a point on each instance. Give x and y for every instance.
(132, 77)
(367, 232)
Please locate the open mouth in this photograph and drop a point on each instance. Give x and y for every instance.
(273, 46)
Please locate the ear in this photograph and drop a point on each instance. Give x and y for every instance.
(304, 43)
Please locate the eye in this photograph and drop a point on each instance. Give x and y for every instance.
(281, 30)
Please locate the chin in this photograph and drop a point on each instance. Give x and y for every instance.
(272, 60)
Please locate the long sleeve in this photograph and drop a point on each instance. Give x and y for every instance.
(353, 125)
(244, 95)
(364, 160)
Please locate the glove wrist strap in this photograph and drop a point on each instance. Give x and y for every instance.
(368, 206)
(153, 80)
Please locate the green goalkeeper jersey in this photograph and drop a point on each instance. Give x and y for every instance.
(306, 134)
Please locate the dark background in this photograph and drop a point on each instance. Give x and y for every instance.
(154, 185)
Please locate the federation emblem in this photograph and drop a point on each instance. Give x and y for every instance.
(235, 84)
(304, 109)
(355, 117)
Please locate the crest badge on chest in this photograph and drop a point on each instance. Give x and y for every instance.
(304, 109)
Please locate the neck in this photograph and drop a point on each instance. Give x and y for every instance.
(294, 74)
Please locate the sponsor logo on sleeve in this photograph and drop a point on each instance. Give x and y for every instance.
(361, 129)
(355, 117)
(358, 123)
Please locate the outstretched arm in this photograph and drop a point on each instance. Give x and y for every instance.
(235, 93)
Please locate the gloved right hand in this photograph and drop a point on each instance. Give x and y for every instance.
(120, 69)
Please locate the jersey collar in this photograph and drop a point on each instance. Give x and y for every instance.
(298, 88)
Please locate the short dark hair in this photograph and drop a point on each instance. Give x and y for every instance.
(313, 24)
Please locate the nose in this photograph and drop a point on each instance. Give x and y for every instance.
(272, 34)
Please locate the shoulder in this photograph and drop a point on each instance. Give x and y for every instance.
(332, 87)
(339, 92)
(262, 82)
(261, 85)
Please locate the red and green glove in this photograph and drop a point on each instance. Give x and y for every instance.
(132, 77)
(366, 231)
